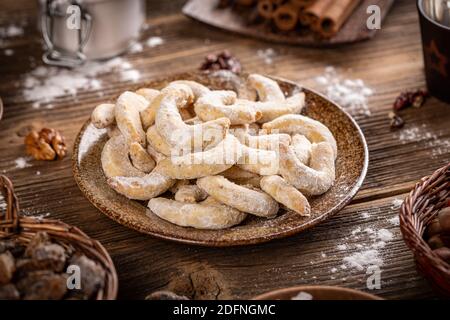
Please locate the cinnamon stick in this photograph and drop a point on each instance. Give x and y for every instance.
(285, 17)
(302, 3)
(266, 8)
(335, 16)
(314, 13)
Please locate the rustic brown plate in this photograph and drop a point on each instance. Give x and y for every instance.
(318, 293)
(351, 167)
(354, 29)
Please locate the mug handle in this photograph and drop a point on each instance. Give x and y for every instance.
(58, 57)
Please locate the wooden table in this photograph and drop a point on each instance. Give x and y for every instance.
(390, 63)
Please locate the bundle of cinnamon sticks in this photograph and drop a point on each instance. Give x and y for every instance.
(323, 17)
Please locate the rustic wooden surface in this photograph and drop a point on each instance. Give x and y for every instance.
(389, 63)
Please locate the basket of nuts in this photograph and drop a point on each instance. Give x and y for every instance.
(425, 225)
(43, 259)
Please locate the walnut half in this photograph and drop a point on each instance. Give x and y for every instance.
(47, 144)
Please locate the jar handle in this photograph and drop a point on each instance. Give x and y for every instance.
(59, 57)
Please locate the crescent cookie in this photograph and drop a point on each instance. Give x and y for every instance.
(142, 188)
(314, 130)
(219, 104)
(180, 135)
(314, 180)
(239, 197)
(103, 115)
(115, 160)
(271, 110)
(208, 215)
(301, 147)
(128, 119)
(155, 140)
(197, 88)
(201, 164)
(264, 141)
(286, 194)
(190, 193)
(267, 89)
(154, 99)
(140, 158)
(262, 162)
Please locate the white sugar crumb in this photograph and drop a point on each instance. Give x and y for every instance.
(395, 221)
(8, 52)
(266, 55)
(334, 270)
(154, 42)
(21, 163)
(302, 296)
(428, 137)
(351, 94)
(136, 47)
(365, 215)
(11, 31)
(44, 84)
(323, 255)
(38, 173)
(385, 235)
(396, 204)
(342, 247)
(359, 260)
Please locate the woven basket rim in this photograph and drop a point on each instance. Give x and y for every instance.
(15, 226)
(417, 211)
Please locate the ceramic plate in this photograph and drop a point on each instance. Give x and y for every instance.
(317, 293)
(351, 167)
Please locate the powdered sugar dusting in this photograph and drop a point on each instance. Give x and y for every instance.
(302, 296)
(11, 31)
(266, 55)
(351, 94)
(154, 42)
(44, 84)
(21, 163)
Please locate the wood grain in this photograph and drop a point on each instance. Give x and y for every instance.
(389, 63)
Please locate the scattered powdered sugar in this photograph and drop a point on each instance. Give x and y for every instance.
(266, 55)
(334, 270)
(364, 258)
(302, 296)
(365, 215)
(367, 254)
(21, 163)
(11, 31)
(396, 204)
(154, 42)
(351, 94)
(44, 84)
(395, 221)
(8, 52)
(136, 47)
(342, 247)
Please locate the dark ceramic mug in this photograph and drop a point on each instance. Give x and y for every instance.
(435, 28)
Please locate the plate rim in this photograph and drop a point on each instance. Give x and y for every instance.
(271, 295)
(240, 242)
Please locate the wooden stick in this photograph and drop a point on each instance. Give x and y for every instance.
(266, 8)
(335, 16)
(286, 17)
(314, 13)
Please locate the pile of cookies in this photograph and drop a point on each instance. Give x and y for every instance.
(216, 155)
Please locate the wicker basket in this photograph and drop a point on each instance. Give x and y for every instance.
(22, 229)
(419, 208)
